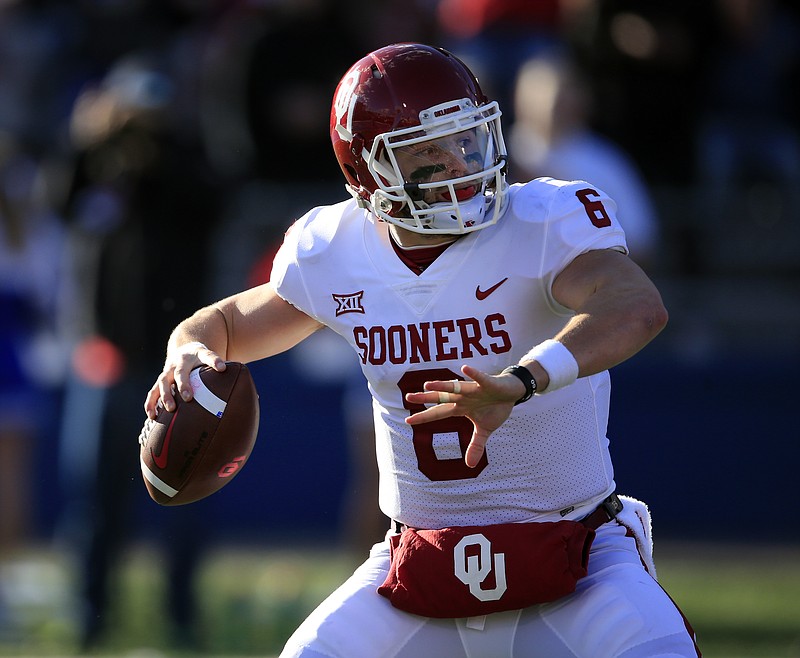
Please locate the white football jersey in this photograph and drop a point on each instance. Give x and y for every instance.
(485, 301)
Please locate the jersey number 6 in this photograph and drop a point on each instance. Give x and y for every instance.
(594, 207)
(429, 464)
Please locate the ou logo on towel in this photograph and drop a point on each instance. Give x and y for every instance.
(472, 570)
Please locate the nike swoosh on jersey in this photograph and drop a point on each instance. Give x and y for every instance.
(483, 294)
(162, 457)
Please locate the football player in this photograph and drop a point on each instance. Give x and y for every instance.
(485, 317)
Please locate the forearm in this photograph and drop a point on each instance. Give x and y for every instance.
(618, 310)
(246, 327)
(610, 330)
(207, 326)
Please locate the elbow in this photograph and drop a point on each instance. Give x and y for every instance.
(654, 316)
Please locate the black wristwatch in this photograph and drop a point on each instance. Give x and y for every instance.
(525, 376)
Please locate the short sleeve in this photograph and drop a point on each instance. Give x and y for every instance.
(580, 218)
(286, 277)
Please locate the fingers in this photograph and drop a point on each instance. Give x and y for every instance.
(182, 385)
(476, 448)
(436, 412)
(431, 397)
(440, 391)
(477, 444)
(151, 401)
(175, 378)
(188, 357)
(478, 376)
(482, 398)
(210, 358)
(444, 395)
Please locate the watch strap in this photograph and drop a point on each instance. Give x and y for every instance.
(525, 376)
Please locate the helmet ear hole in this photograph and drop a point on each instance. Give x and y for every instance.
(356, 152)
(351, 172)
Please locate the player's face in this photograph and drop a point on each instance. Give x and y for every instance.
(444, 158)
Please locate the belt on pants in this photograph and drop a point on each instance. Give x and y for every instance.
(603, 513)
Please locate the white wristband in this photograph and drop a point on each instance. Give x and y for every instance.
(557, 361)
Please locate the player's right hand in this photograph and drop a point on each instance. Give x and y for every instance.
(174, 378)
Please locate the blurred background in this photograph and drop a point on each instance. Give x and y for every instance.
(153, 152)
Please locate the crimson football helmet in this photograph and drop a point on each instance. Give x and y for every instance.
(418, 142)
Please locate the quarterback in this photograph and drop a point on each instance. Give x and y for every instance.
(485, 317)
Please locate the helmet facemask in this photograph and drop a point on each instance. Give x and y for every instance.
(446, 175)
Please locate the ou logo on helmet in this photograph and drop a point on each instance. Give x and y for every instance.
(344, 103)
(472, 570)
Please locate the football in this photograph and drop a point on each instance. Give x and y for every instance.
(197, 449)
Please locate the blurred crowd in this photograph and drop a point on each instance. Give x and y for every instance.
(152, 152)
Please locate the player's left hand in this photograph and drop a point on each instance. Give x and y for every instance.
(487, 400)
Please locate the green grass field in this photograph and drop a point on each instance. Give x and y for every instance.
(743, 602)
